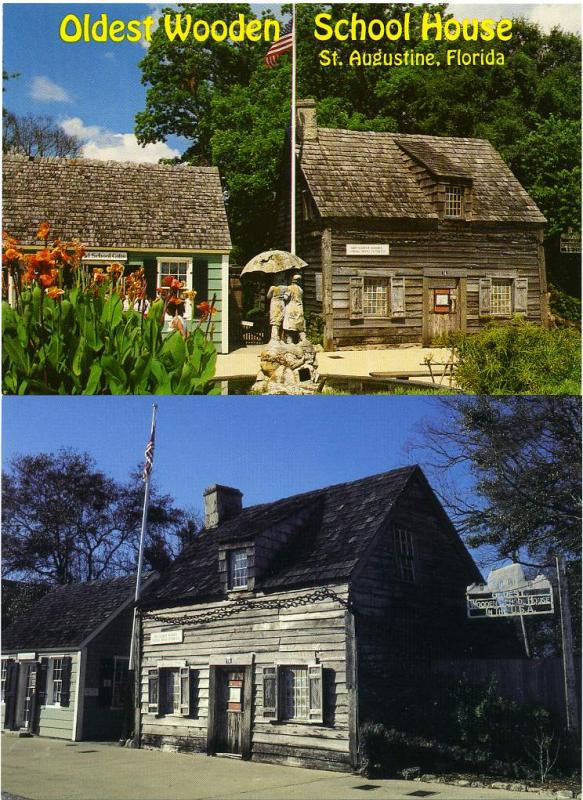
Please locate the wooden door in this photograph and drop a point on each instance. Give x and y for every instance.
(26, 695)
(443, 307)
(229, 710)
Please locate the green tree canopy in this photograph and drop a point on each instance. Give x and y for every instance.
(235, 112)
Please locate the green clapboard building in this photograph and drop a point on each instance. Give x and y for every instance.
(169, 219)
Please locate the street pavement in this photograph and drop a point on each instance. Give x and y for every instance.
(50, 769)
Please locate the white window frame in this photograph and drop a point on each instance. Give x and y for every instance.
(160, 260)
(506, 282)
(380, 281)
(50, 693)
(454, 200)
(115, 679)
(3, 674)
(404, 554)
(231, 554)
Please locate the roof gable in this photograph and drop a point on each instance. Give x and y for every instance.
(68, 615)
(113, 204)
(362, 174)
(339, 523)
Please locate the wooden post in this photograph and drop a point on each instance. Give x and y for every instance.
(327, 308)
(571, 714)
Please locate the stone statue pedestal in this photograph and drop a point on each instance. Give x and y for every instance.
(287, 369)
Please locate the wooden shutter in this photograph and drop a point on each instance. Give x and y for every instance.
(485, 306)
(356, 298)
(41, 681)
(66, 682)
(12, 669)
(185, 691)
(106, 670)
(316, 693)
(521, 295)
(270, 693)
(397, 297)
(153, 690)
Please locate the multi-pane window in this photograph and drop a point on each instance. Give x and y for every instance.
(238, 569)
(404, 555)
(120, 682)
(375, 297)
(56, 682)
(3, 680)
(295, 693)
(454, 196)
(181, 269)
(501, 297)
(171, 699)
(570, 242)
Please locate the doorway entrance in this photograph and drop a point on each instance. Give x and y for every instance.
(230, 695)
(444, 307)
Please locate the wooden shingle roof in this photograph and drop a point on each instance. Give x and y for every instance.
(115, 205)
(364, 174)
(342, 521)
(67, 615)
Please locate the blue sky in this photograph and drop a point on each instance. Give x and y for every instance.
(94, 89)
(267, 447)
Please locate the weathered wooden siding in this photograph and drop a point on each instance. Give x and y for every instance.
(271, 636)
(403, 626)
(100, 721)
(461, 246)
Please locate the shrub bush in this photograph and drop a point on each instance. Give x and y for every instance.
(565, 307)
(518, 358)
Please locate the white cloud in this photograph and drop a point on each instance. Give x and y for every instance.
(47, 91)
(104, 145)
(548, 15)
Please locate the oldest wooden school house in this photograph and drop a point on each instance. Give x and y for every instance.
(284, 625)
(408, 237)
(168, 219)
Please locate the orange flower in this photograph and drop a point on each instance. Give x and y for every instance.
(206, 310)
(11, 254)
(48, 278)
(43, 230)
(99, 275)
(115, 270)
(54, 292)
(175, 301)
(167, 280)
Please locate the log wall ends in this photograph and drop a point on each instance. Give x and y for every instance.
(314, 634)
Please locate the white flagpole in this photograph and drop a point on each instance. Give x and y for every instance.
(141, 550)
(293, 136)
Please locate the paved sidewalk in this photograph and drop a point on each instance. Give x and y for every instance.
(244, 362)
(49, 769)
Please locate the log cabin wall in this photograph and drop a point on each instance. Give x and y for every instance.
(419, 251)
(253, 641)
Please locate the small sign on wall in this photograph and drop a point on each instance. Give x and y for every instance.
(105, 255)
(367, 249)
(167, 637)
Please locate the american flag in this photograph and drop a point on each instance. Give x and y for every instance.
(283, 45)
(149, 454)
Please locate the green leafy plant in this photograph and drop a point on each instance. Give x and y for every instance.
(71, 332)
(518, 358)
(564, 307)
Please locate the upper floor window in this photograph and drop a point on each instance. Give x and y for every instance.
(454, 197)
(404, 555)
(238, 569)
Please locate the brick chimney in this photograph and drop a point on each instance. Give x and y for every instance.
(220, 504)
(306, 120)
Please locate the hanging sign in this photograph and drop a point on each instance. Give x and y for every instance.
(508, 594)
(105, 255)
(367, 249)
